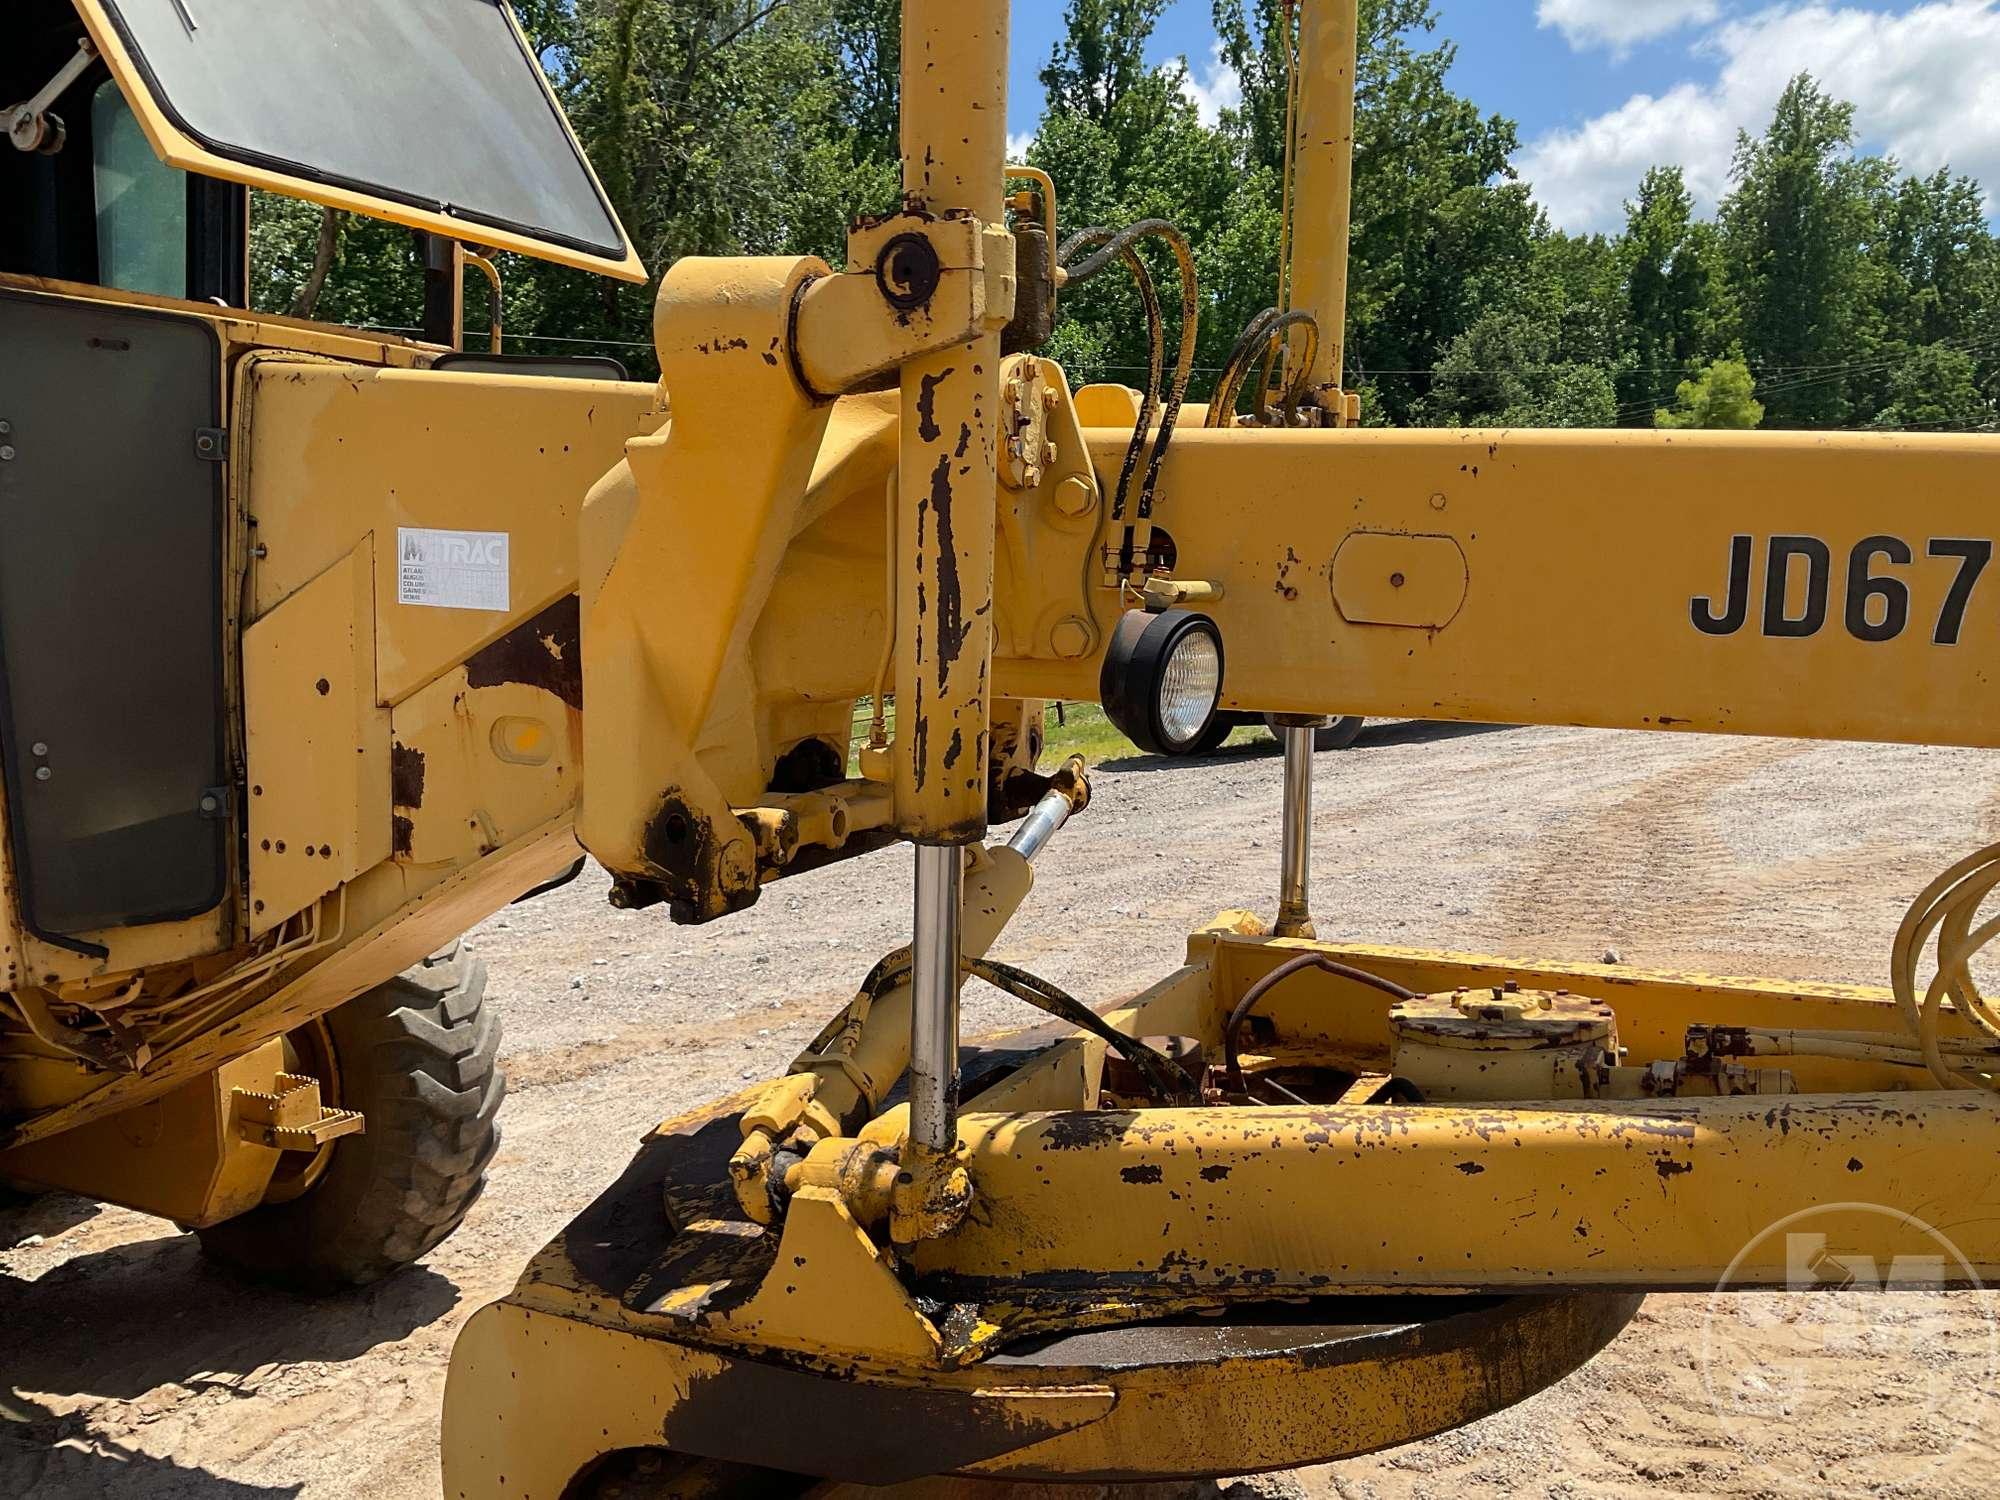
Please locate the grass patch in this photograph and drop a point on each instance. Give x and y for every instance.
(1080, 729)
(1083, 729)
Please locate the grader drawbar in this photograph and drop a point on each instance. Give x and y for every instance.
(1296, 1200)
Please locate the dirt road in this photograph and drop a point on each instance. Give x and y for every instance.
(128, 1368)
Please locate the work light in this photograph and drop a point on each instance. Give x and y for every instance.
(1162, 679)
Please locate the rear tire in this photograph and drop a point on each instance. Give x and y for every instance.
(418, 1057)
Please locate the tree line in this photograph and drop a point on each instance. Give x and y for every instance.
(1830, 289)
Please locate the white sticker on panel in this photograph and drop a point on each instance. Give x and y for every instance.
(451, 569)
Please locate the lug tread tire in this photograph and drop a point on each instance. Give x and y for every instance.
(419, 1056)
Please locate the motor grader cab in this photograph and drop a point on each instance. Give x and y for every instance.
(289, 684)
(1296, 1200)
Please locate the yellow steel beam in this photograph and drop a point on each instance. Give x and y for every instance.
(1631, 1196)
(1824, 586)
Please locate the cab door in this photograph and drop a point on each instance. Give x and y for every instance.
(112, 690)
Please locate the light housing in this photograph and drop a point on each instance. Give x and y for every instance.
(1162, 679)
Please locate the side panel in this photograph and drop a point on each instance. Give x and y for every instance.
(112, 688)
(316, 742)
(339, 451)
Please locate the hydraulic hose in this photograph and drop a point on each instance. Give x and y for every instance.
(1254, 996)
(1948, 907)
(1156, 344)
(1121, 244)
(1264, 337)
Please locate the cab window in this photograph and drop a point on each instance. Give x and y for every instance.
(142, 204)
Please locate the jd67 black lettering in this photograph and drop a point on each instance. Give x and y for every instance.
(1876, 604)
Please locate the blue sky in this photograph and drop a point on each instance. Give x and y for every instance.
(1604, 88)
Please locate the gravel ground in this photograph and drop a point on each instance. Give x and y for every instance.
(132, 1369)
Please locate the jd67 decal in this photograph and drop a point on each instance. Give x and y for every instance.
(1875, 602)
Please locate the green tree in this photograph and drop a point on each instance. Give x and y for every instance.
(1937, 390)
(1723, 396)
(1792, 229)
(1928, 254)
(1506, 370)
(1124, 142)
(1100, 56)
(1668, 280)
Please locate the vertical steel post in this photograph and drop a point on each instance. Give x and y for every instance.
(1295, 856)
(444, 291)
(1323, 202)
(954, 137)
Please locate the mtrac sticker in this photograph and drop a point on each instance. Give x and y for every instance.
(451, 569)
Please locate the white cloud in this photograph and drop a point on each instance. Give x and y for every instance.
(1017, 146)
(1583, 176)
(1621, 24)
(1922, 82)
(1214, 88)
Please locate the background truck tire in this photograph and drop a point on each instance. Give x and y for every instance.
(418, 1056)
(1338, 734)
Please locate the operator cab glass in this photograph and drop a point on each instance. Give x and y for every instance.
(142, 204)
(432, 115)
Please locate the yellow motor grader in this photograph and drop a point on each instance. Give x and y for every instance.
(1295, 1200)
(1291, 1202)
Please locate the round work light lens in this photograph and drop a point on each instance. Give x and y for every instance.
(1190, 686)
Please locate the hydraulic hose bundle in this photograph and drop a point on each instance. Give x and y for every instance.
(1120, 246)
(1948, 907)
(1266, 337)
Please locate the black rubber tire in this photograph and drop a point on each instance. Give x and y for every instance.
(419, 1057)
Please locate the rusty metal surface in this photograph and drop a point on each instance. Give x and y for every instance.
(545, 652)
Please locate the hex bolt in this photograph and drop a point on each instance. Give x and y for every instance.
(1070, 638)
(1075, 497)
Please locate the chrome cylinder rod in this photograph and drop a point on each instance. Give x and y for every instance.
(1295, 858)
(934, 983)
(1043, 822)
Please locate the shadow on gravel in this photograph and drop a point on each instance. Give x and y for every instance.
(53, 1457)
(118, 1323)
(1374, 737)
(968, 1489)
(24, 1217)
(1424, 732)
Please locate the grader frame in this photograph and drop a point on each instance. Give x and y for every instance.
(1084, 1269)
